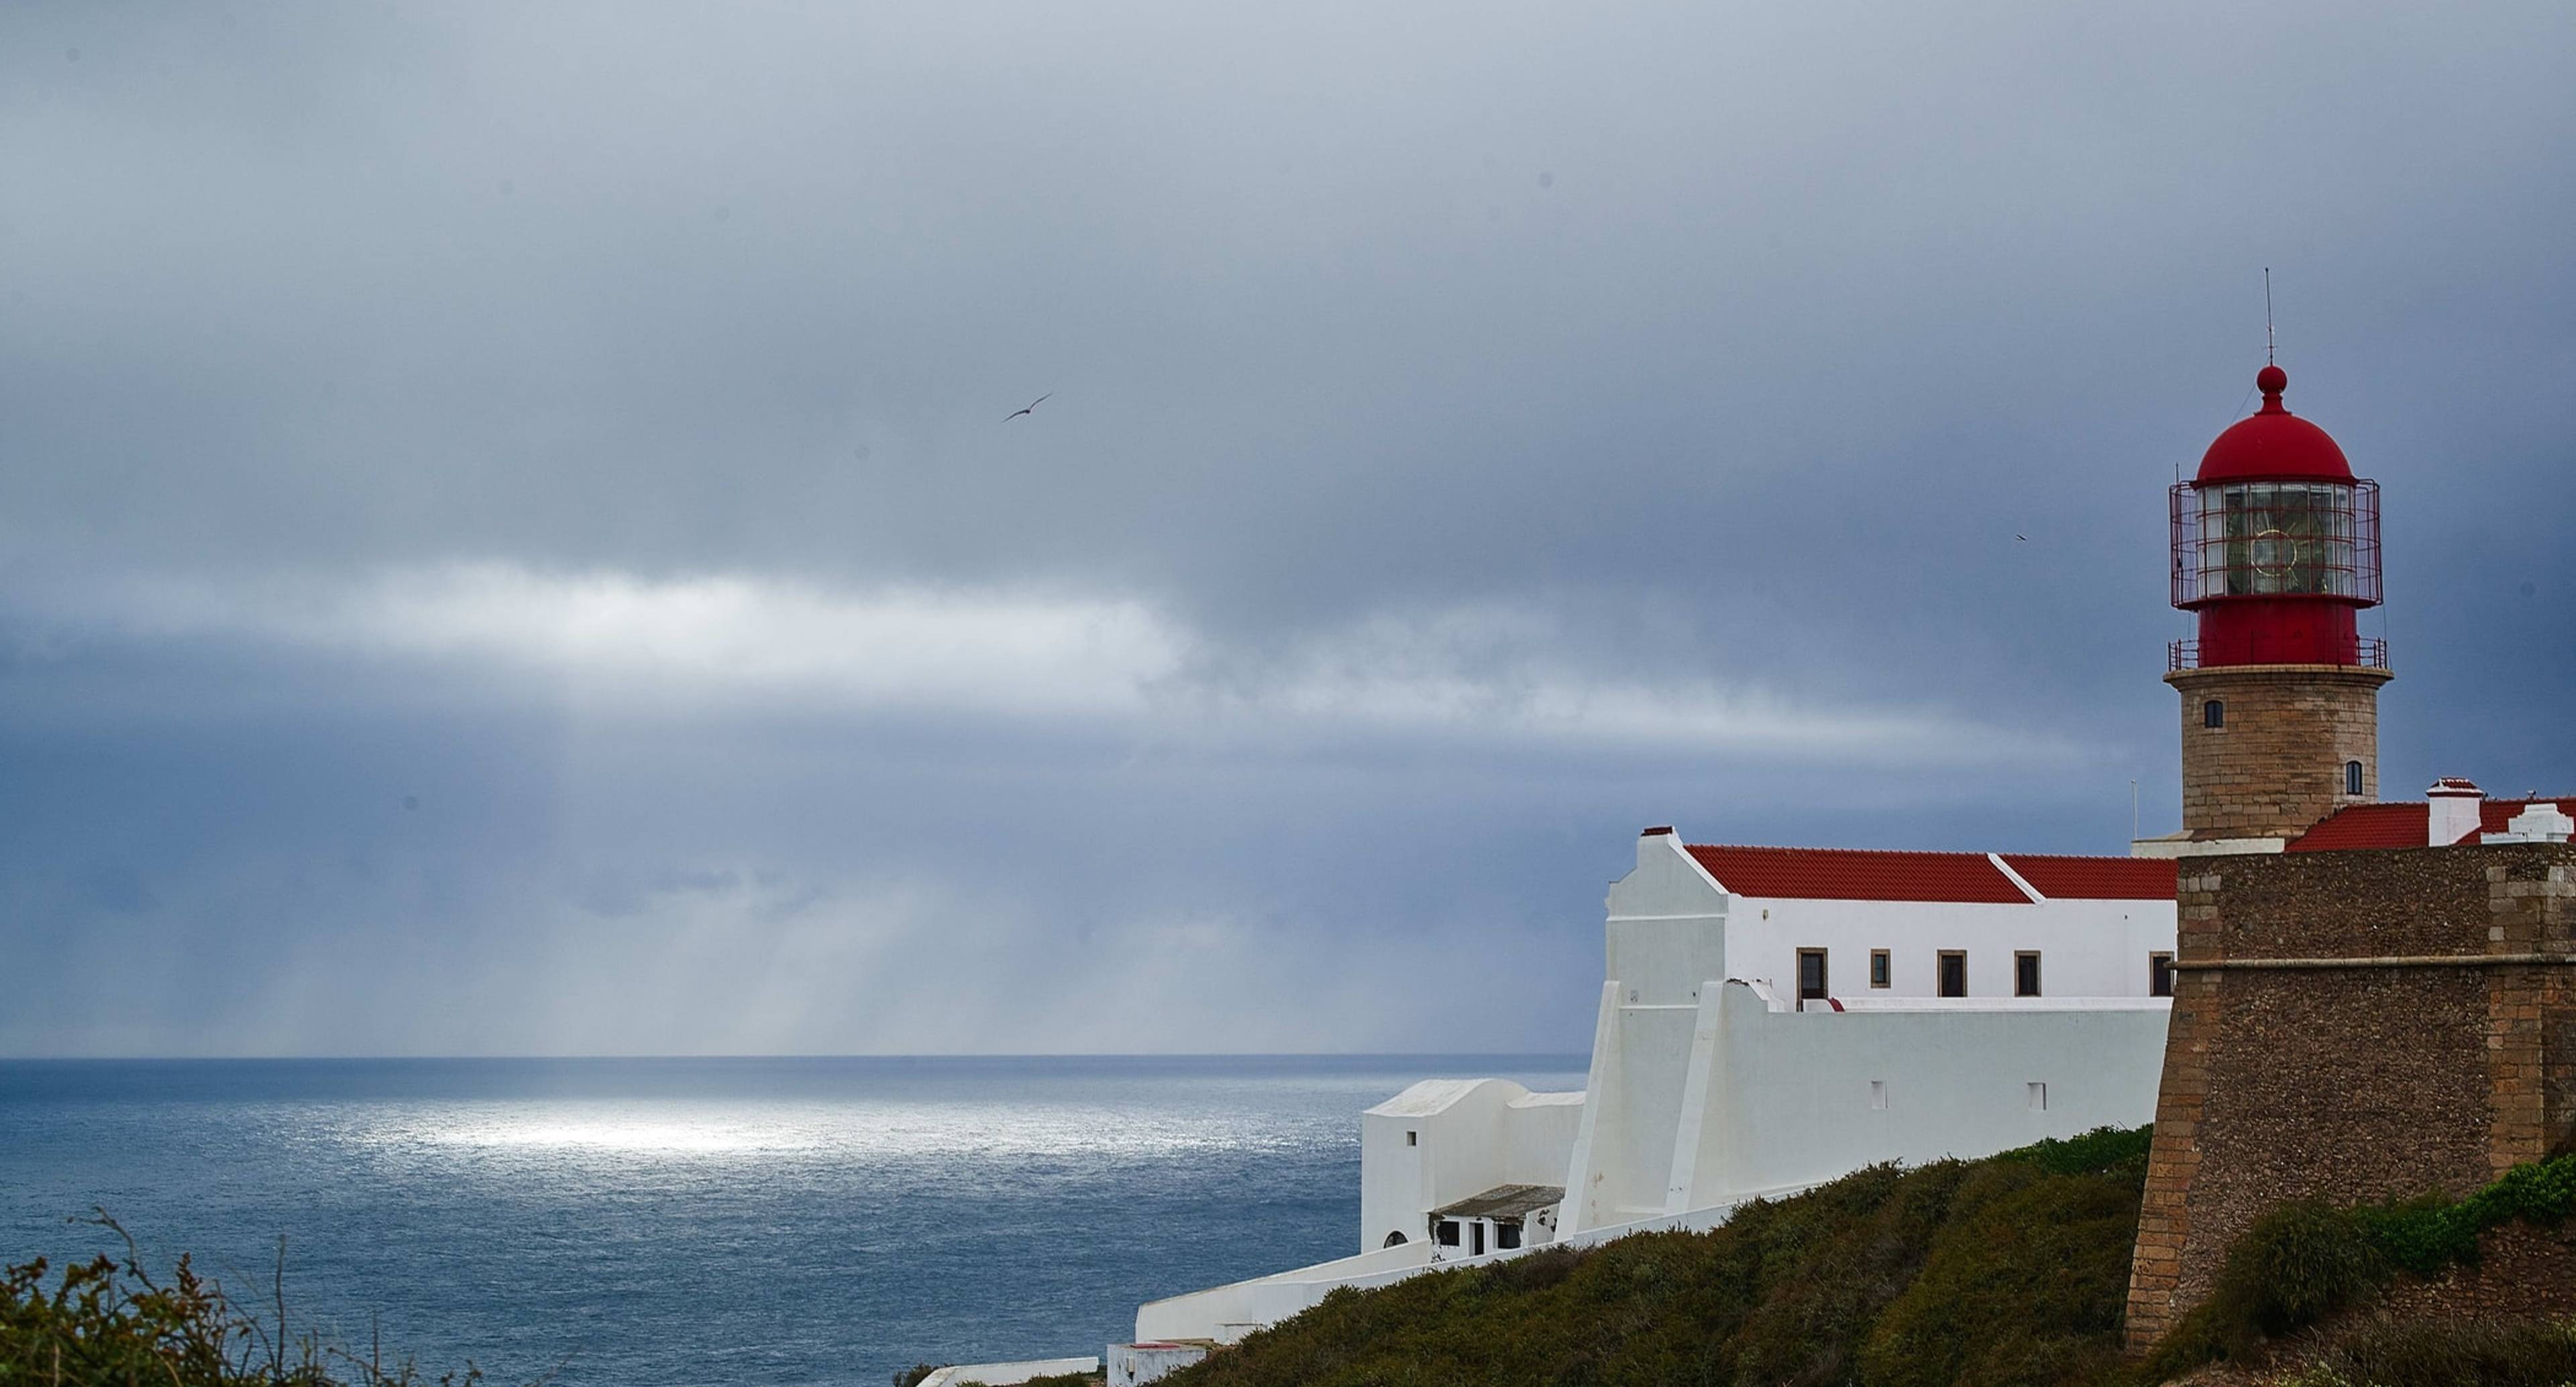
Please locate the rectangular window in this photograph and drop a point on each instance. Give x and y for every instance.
(2038, 1097)
(1954, 972)
(1507, 1236)
(1811, 975)
(2213, 714)
(1879, 969)
(1447, 1233)
(2026, 973)
(2160, 975)
(1476, 1238)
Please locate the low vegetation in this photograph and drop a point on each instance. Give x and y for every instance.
(2305, 1262)
(108, 1322)
(2445, 1355)
(2007, 1272)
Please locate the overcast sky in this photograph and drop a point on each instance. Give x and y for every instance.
(510, 542)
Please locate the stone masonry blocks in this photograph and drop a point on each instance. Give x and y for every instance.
(2358, 1081)
(2276, 766)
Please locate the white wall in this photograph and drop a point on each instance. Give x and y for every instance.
(1470, 1135)
(1007, 1374)
(2087, 948)
(1658, 1072)
(1129, 1365)
(1777, 1101)
(1790, 1099)
(1227, 1313)
(1665, 933)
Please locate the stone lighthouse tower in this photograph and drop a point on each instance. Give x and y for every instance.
(2275, 553)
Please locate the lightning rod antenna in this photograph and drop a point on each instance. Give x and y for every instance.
(2267, 315)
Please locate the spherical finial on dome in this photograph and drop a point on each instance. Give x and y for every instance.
(2272, 380)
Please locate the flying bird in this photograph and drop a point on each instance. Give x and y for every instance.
(1029, 407)
(2023, 538)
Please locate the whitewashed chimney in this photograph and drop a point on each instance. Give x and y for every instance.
(1655, 842)
(2454, 803)
(2539, 822)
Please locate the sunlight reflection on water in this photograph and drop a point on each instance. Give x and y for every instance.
(841, 1131)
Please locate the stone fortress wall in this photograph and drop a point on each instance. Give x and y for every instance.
(2351, 1026)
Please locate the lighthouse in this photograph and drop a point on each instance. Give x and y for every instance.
(2275, 554)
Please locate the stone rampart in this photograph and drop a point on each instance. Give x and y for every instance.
(2353, 1026)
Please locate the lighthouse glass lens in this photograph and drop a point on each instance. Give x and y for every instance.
(2261, 539)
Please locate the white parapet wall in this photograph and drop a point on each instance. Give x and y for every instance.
(1131, 1365)
(1226, 1313)
(1008, 1374)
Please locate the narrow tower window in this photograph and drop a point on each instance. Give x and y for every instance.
(2160, 975)
(2352, 777)
(2213, 713)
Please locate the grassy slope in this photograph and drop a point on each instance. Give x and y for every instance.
(2010, 1270)
(1993, 1273)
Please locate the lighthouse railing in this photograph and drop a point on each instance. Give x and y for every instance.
(2369, 652)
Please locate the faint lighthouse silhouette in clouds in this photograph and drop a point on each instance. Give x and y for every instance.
(2275, 553)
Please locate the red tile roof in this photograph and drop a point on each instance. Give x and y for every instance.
(2399, 825)
(2096, 878)
(1858, 874)
(2404, 824)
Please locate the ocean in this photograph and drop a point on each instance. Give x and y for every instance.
(708, 1221)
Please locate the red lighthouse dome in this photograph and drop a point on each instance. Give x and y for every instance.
(2276, 545)
(2273, 442)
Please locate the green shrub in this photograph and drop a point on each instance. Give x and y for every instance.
(2295, 1266)
(2424, 1354)
(109, 1323)
(2102, 1149)
(2303, 1262)
(2024, 1285)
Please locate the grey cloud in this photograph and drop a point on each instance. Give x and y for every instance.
(1713, 347)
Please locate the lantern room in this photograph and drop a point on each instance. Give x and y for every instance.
(2276, 546)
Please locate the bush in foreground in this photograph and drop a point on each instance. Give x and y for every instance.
(110, 1323)
(2304, 1263)
(2446, 1355)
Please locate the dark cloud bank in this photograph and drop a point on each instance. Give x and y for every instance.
(508, 539)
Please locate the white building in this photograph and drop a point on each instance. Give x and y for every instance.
(1770, 1019)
